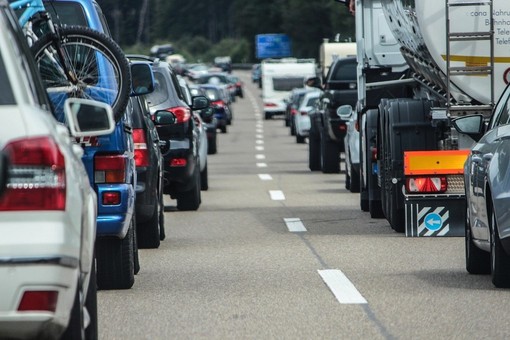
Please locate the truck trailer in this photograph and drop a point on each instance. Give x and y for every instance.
(421, 65)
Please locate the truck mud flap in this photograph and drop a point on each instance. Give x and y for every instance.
(435, 217)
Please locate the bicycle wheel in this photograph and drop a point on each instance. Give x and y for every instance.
(91, 65)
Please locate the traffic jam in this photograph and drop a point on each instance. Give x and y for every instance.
(360, 195)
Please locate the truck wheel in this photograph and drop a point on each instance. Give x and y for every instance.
(162, 234)
(292, 127)
(477, 260)
(223, 129)
(190, 200)
(148, 233)
(500, 260)
(115, 261)
(91, 331)
(330, 155)
(314, 151)
(374, 206)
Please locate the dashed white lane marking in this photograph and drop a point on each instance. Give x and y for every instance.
(277, 195)
(259, 156)
(259, 131)
(295, 225)
(259, 136)
(341, 287)
(261, 165)
(259, 141)
(265, 177)
(259, 148)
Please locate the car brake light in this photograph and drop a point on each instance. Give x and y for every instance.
(37, 178)
(182, 114)
(270, 105)
(374, 153)
(111, 198)
(426, 185)
(39, 301)
(293, 112)
(304, 113)
(178, 162)
(218, 103)
(110, 169)
(140, 145)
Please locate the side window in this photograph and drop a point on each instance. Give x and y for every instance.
(176, 85)
(502, 110)
(345, 71)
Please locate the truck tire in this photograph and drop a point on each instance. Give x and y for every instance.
(408, 130)
(373, 189)
(330, 155)
(314, 150)
(115, 261)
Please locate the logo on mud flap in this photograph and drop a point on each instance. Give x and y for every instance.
(433, 221)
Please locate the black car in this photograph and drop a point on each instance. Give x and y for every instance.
(219, 97)
(150, 218)
(210, 121)
(178, 138)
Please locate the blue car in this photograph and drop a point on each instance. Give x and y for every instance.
(110, 164)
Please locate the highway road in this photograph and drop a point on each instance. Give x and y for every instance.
(279, 252)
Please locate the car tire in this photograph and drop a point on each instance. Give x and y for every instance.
(500, 260)
(76, 326)
(300, 139)
(91, 332)
(136, 258)
(314, 151)
(330, 155)
(190, 200)
(223, 129)
(115, 261)
(148, 233)
(354, 180)
(211, 146)
(267, 115)
(162, 234)
(204, 179)
(477, 260)
(292, 127)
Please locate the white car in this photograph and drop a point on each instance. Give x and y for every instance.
(48, 210)
(301, 118)
(352, 143)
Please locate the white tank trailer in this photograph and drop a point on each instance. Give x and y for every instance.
(421, 65)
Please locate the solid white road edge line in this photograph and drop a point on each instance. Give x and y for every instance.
(277, 195)
(341, 287)
(295, 225)
(265, 177)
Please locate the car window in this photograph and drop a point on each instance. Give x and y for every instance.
(160, 94)
(212, 94)
(502, 110)
(287, 83)
(6, 95)
(67, 13)
(344, 71)
(312, 101)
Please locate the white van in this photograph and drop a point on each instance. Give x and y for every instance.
(279, 78)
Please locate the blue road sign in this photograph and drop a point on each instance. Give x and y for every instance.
(272, 46)
(433, 221)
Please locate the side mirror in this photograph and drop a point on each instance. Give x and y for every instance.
(473, 126)
(344, 112)
(87, 117)
(162, 117)
(200, 102)
(207, 114)
(142, 79)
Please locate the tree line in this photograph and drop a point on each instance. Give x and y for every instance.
(209, 27)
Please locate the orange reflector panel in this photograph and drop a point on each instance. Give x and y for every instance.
(450, 162)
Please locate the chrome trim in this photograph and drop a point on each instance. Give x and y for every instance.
(64, 261)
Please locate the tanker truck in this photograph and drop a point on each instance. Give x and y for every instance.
(423, 64)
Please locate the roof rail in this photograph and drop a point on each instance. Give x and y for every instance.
(142, 57)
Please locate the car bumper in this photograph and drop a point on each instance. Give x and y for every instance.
(114, 220)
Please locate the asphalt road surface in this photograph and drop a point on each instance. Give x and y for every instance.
(279, 252)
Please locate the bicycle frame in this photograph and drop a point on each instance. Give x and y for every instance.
(32, 7)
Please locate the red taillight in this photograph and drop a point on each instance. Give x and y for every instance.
(426, 185)
(342, 127)
(219, 103)
(111, 198)
(39, 301)
(141, 151)
(374, 153)
(37, 178)
(182, 114)
(178, 162)
(270, 105)
(304, 113)
(293, 112)
(110, 169)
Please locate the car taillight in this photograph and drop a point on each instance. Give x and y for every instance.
(182, 114)
(304, 113)
(37, 178)
(219, 103)
(293, 112)
(374, 153)
(342, 127)
(110, 169)
(39, 301)
(270, 105)
(426, 184)
(178, 162)
(140, 145)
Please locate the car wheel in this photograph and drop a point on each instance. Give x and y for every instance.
(204, 179)
(267, 115)
(354, 180)
(300, 139)
(211, 146)
(500, 261)
(330, 155)
(477, 260)
(314, 151)
(190, 200)
(91, 331)
(148, 233)
(223, 129)
(162, 234)
(115, 261)
(76, 326)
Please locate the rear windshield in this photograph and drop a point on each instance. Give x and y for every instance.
(287, 83)
(66, 13)
(345, 72)
(312, 101)
(212, 94)
(160, 94)
(6, 95)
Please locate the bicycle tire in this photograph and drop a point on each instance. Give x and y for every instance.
(101, 68)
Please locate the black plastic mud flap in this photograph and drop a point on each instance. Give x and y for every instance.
(435, 216)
